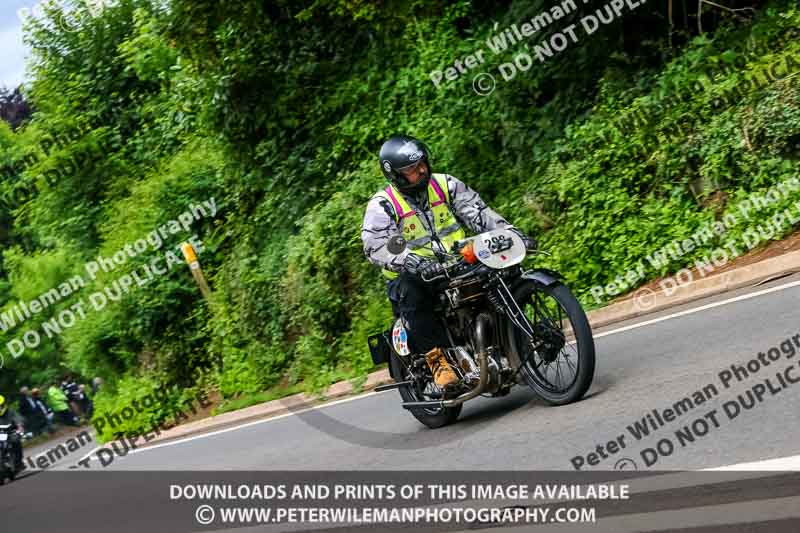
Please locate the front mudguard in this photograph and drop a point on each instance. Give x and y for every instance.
(541, 276)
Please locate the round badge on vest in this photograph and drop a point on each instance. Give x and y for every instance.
(396, 245)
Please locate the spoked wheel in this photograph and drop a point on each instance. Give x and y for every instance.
(433, 417)
(558, 364)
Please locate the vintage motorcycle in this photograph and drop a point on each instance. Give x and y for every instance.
(506, 326)
(9, 438)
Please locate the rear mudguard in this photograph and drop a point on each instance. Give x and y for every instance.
(397, 342)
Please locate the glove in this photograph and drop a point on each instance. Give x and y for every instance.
(423, 267)
(530, 243)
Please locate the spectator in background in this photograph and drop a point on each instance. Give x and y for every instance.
(97, 383)
(85, 402)
(34, 419)
(70, 389)
(44, 409)
(58, 403)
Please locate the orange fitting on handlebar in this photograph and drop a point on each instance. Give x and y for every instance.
(468, 252)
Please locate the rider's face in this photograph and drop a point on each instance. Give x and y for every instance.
(415, 173)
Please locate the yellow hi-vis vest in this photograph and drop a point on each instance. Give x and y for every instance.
(445, 226)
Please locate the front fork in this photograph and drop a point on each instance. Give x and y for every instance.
(507, 305)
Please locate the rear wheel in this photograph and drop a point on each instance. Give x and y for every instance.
(559, 363)
(433, 417)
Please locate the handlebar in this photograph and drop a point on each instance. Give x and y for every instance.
(434, 278)
(454, 269)
(460, 263)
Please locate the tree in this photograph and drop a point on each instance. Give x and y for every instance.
(14, 109)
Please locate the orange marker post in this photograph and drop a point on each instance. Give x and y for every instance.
(191, 259)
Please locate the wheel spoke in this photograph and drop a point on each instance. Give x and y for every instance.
(548, 318)
(558, 371)
(570, 364)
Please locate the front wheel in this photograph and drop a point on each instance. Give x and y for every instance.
(433, 417)
(558, 363)
(7, 471)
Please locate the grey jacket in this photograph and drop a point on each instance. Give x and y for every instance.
(379, 221)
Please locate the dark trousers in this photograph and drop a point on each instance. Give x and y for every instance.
(35, 423)
(87, 407)
(413, 300)
(67, 418)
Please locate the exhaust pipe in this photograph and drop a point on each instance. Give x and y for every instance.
(483, 324)
(482, 332)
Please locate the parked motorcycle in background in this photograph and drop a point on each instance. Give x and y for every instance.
(506, 326)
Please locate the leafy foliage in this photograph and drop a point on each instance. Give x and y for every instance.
(627, 140)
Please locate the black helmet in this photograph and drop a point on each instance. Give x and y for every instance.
(401, 152)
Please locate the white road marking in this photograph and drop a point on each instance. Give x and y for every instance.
(245, 425)
(368, 394)
(782, 464)
(698, 309)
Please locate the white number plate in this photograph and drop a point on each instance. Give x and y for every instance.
(499, 248)
(3, 437)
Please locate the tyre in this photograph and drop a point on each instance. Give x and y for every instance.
(559, 365)
(433, 417)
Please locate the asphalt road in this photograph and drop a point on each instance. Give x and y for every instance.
(638, 370)
(651, 363)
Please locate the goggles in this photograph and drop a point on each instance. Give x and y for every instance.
(413, 168)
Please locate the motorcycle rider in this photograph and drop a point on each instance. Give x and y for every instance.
(8, 416)
(427, 212)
